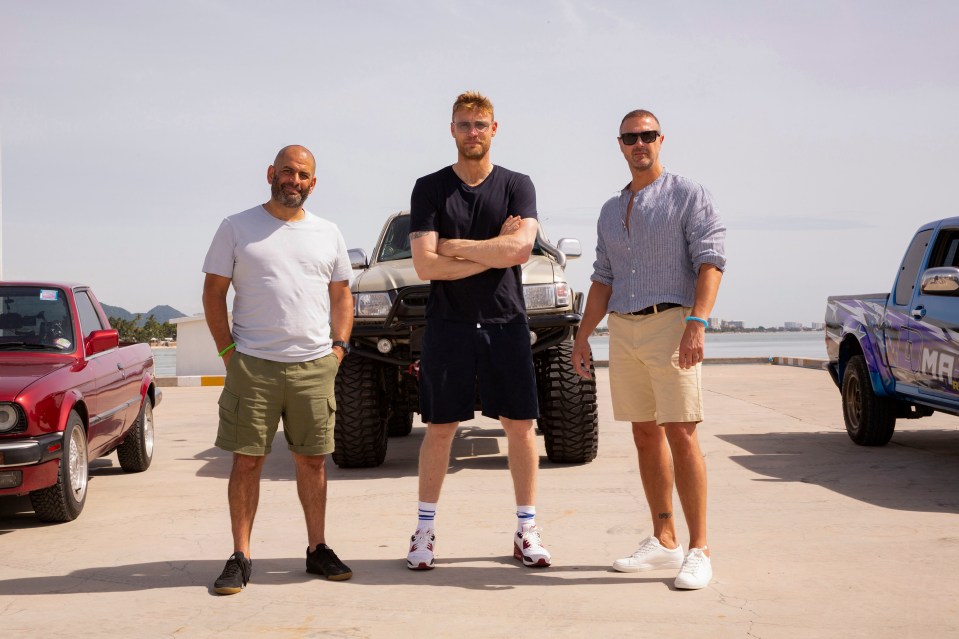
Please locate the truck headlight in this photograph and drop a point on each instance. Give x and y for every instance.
(9, 417)
(539, 296)
(372, 304)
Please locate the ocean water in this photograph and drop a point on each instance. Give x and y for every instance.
(810, 344)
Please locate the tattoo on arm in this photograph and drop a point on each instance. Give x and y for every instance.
(416, 234)
(665, 515)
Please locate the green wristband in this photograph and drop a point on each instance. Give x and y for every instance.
(225, 350)
(698, 319)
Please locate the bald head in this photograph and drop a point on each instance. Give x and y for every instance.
(295, 152)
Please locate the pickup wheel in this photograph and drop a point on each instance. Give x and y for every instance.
(360, 434)
(136, 451)
(870, 419)
(567, 407)
(64, 501)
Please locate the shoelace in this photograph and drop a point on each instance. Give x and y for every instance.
(421, 540)
(692, 562)
(533, 537)
(645, 549)
(233, 568)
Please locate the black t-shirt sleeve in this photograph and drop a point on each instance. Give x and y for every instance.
(522, 201)
(423, 208)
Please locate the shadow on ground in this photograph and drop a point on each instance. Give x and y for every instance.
(492, 573)
(917, 471)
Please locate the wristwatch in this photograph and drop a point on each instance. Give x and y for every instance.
(344, 345)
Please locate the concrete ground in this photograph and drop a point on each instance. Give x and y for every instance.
(811, 536)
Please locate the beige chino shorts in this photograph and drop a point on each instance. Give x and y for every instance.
(258, 392)
(645, 379)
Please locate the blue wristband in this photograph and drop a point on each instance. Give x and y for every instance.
(698, 319)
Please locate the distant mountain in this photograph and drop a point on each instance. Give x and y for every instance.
(162, 314)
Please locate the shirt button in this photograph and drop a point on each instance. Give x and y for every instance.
(634, 270)
(631, 295)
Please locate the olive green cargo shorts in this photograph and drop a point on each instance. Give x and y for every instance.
(258, 392)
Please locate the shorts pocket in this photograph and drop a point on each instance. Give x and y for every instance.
(229, 407)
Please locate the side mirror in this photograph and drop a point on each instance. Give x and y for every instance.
(570, 247)
(103, 340)
(358, 258)
(942, 280)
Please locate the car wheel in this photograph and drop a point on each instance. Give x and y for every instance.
(567, 407)
(136, 451)
(65, 500)
(360, 434)
(870, 419)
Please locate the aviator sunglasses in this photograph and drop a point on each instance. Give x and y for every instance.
(648, 137)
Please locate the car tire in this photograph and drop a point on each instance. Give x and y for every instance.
(568, 417)
(360, 434)
(64, 501)
(870, 419)
(399, 421)
(136, 451)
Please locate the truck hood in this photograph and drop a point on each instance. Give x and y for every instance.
(16, 373)
(397, 274)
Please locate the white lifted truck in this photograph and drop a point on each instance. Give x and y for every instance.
(376, 387)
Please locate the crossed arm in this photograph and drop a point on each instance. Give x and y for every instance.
(452, 259)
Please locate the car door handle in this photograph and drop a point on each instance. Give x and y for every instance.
(918, 313)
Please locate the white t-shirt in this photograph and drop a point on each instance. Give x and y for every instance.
(281, 273)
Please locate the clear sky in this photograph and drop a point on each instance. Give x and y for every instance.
(825, 130)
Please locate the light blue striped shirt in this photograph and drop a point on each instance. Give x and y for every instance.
(673, 230)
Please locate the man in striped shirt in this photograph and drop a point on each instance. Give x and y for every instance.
(659, 260)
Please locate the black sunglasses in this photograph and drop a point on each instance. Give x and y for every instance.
(648, 137)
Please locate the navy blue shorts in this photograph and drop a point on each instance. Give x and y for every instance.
(459, 358)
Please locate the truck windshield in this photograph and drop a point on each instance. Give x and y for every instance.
(34, 318)
(396, 242)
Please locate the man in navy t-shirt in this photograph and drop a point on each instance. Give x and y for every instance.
(472, 226)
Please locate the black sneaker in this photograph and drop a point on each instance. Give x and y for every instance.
(235, 575)
(323, 561)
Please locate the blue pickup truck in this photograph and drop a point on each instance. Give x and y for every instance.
(895, 356)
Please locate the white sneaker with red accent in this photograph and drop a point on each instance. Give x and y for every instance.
(420, 556)
(528, 547)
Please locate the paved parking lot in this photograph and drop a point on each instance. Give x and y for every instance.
(811, 536)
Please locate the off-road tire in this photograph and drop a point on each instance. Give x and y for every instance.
(360, 434)
(870, 419)
(64, 501)
(136, 451)
(567, 407)
(399, 420)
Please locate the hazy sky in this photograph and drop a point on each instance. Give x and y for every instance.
(826, 131)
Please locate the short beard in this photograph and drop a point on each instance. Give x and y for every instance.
(286, 200)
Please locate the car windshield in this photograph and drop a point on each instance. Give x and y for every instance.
(396, 242)
(34, 318)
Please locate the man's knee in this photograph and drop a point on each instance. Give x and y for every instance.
(247, 463)
(647, 435)
(682, 436)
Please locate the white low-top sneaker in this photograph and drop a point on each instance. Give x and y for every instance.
(528, 547)
(697, 571)
(420, 556)
(651, 555)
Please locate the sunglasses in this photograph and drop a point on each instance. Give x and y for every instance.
(648, 137)
(466, 127)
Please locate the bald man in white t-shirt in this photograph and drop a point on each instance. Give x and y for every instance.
(292, 317)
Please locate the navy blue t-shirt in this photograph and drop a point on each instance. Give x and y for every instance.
(441, 202)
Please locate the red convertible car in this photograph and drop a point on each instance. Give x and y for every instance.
(69, 393)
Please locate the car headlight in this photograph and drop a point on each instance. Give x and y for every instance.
(9, 417)
(539, 296)
(372, 304)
